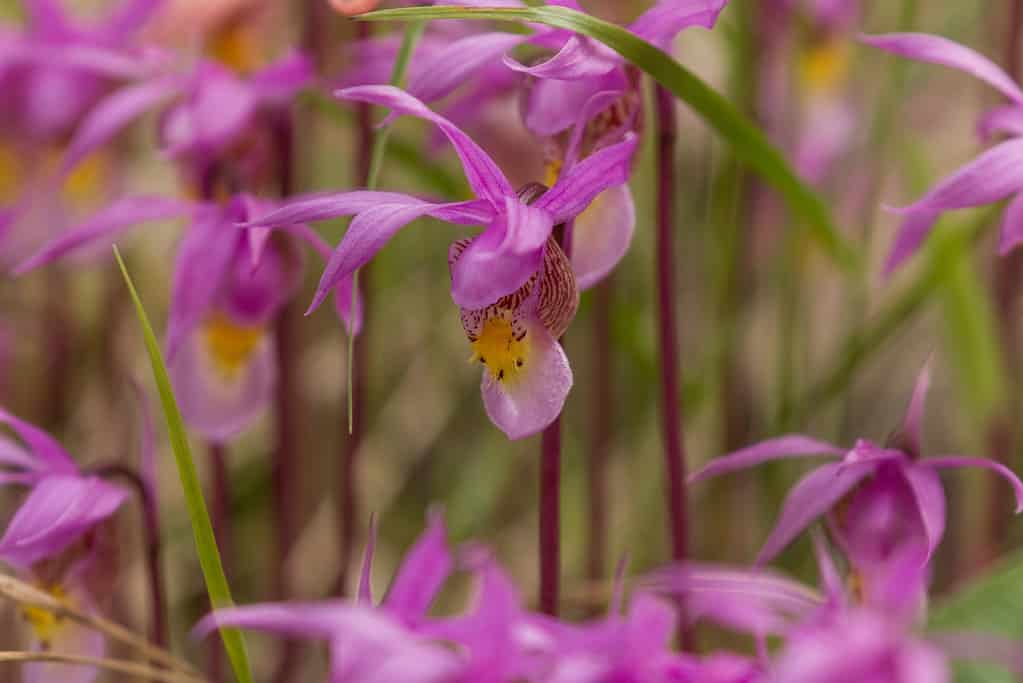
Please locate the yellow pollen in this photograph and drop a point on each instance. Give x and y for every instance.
(230, 345)
(499, 351)
(10, 174)
(553, 170)
(86, 182)
(824, 66)
(236, 46)
(45, 624)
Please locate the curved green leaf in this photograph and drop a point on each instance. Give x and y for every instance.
(205, 541)
(749, 142)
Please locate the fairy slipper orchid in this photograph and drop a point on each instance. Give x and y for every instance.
(515, 287)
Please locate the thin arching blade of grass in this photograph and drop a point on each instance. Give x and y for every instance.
(749, 142)
(202, 530)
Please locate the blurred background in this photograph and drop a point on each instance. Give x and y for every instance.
(775, 337)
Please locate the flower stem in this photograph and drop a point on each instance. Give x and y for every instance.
(550, 517)
(603, 416)
(59, 331)
(151, 529)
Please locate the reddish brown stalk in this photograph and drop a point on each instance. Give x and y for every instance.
(550, 518)
(59, 331)
(603, 416)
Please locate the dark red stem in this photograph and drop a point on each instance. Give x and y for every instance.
(603, 416)
(59, 330)
(550, 517)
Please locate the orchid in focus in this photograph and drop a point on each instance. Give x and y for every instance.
(513, 283)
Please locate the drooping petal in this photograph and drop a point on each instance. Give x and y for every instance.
(810, 498)
(666, 19)
(42, 445)
(114, 113)
(57, 511)
(298, 619)
(1012, 226)
(601, 235)
(578, 58)
(912, 425)
(790, 446)
(1007, 119)
(426, 567)
(579, 186)
(484, 176)
(951, 461)
(223, 377)
(937, 50)
(484, 273)
(529, 402)
(107, 224)
(914, 230)
(994, 175)
(448, 68)
(929, 496)
(528, 227)
(372, 229)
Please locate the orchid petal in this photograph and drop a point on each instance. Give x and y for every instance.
(277, 83)
(941, 462)
(528, 228)
(930, 501)
(442, 72)
(578, 58)
(426, 567)
(994, 175)
(369, 648)
(485, 178)
(579, 186)
(42, 445)
(128, 18)
(611, 91)
(69, 637)
(374, 227)
(831, 581)
(57, 511)
(1007, 119)
(914, 230)
(666, 19)
(811, 497)
(601, 235)
(298, 619)
(790, 446)
(937, 50)
(1012, 226)
(13, 454)
(912, 426)
(108, 223)
(114, 113)
(483, 273)
(323, 206)
(553, 106)
(528, 403)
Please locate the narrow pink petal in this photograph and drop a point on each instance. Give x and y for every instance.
(994, 175)
(323, 206)
(914, 230)
(937, 50)
(451, 66)
(601, 235)
(814, 495)
(612, 87)
(105, 225)
(1012, 226)
(996, 467)
(13, 454)
(528, 228)
(485, 178)
(580, 185)
(278, 82)
(912, 426)
(1007, 119)
(831, 580)
(530, 402)
(42, 445)
(578, 58)
(484, 272)
(424, 570)
(666, 19)
(298, 619)
(930, 500)
(790, 446)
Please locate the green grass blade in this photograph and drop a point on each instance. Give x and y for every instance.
(205, 542)
(749, 143)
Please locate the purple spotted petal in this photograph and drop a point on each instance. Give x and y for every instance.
(426, 567)
(579, 186)
(107, 224)
(937, 50)
(602, 234)
(42, 446)
(451, 66)
(998, 468)
(929, 496)
(115, 112)
(666, 19)
(375, 226)
(912, 426)
(810, 498)
(533, 400)
(220, 402)
(485, 178)
(1012, 226)
(1007, 119)
(994, 175)
(791, 446)
(578, 58)
(57, 511)
(914, 230)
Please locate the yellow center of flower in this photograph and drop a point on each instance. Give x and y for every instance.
(503, 352)
(236, 46)
(824, 66)
(85, 184)
(45, 624)
(553, 171)
(10, 174)
(230, 345)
